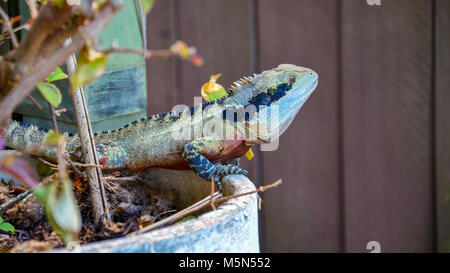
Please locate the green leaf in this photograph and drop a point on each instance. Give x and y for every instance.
(7, 227)
(60, 208)
(187, 218)
(59, 3)
(1, 220)
(217, 94)
(88, 72)
(147, 5)
(53, 138)
(41, 193)
(44, 170)
(212, 90)
(65, 212)
(57, 75)
(51, 93)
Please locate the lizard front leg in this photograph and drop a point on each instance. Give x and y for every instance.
(194, 151)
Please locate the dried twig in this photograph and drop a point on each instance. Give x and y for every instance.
(15, 199)
(37, 104)
(162, 213)
(202, 204)
(111, 187)
(53, 115)
(24, 194)
(84, 165)
(54, 166)
(32, 7)
(100, 207)
(24, 26)
(8, 25)
(62, 168)
(162, 53)
(121, 179)
(74, 167)
(59, 111)
(260, 189)
(177, 216)
(211, 196)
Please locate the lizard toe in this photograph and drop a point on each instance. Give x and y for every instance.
(222, 170)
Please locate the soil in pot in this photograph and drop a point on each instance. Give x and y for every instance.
(132, 206)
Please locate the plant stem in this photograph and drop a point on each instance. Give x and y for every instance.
(8, 25)
(100, 207)
(53, 115)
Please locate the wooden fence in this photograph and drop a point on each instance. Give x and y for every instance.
(367, 158)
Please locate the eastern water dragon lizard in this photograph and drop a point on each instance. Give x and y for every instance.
(203, 137)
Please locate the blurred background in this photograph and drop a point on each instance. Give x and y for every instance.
(367, 157)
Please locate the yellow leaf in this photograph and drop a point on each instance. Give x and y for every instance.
(249, 154)
(213, 91)
(88, 72)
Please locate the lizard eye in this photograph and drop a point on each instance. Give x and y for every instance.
(291, 79)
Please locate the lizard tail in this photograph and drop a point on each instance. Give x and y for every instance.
(21, 136)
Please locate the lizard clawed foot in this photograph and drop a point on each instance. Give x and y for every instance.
(221, 170)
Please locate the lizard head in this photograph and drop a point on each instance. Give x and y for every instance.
(277, 95)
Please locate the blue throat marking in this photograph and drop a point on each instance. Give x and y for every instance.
(266, 98)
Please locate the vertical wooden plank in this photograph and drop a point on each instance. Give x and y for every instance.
(221, 31)
(442, 102)
(303, 214)
(387, 125)
(161, 75)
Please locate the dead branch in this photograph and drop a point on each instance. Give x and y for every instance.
(50, 18)
(211, 196)
(177, 216)
(74, 167)
(53, 115)
(8, 24)
(226, 198)
(216, 198)
(35, 102)
(100, 207)
(162, 53)
(27, 81)
(32, 7)
(24, 26)
(59, 111)
(84, 165)
(120, 179)
(51, 165)
(62, 168)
